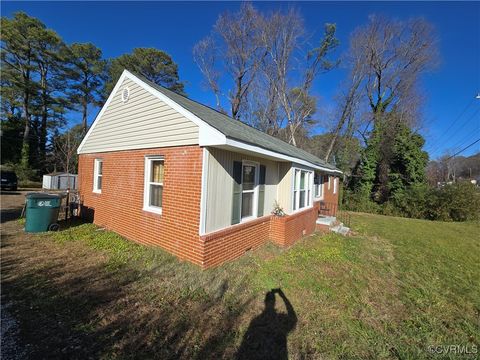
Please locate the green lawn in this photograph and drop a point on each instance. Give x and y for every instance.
(393, 289)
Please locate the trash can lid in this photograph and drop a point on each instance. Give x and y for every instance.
(40, 195)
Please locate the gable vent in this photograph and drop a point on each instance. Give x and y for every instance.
(125, 94)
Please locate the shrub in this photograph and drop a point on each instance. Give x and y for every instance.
(352, 201)
(412, 202)
(458, 202)
(453, 202)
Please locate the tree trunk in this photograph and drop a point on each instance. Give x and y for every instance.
(84, 116)
(346, 112)
(85, 104)
(43, 137)
(292, 135)
(25, 159)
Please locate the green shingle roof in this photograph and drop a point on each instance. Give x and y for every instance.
(237, 130)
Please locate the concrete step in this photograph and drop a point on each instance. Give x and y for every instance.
(327, 220)
(340, 229)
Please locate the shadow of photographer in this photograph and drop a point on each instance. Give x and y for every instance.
(266, 337)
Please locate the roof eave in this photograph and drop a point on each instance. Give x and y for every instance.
(234, 144)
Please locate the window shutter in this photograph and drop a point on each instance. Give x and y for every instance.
(261, 191)
(237, 191)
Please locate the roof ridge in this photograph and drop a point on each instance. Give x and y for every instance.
(230, 119)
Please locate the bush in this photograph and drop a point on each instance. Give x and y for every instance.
(412, 202)
(352, 201)
(458, 202)
(454, 202)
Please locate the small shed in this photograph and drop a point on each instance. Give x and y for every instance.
(60, 181)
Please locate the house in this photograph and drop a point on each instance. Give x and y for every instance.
(59, 181)
(163, 170)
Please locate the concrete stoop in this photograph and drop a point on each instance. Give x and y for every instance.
(331, 224)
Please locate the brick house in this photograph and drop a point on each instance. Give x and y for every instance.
(163, 170)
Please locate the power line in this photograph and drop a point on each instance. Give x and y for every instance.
(436, 148)
(465, 148)
(454, 121)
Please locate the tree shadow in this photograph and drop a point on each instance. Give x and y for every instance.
(266, 336)
(10, 214)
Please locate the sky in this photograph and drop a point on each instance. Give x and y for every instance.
(451, 113)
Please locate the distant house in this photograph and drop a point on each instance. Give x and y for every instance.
(161, 169)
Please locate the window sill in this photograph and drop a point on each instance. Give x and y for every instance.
(302, 209)
(247, 219)
(152, 210)
(97, 191)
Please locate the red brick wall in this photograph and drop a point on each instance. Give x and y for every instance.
(233, 242)
(119, 206)
(329, 198)
(288, 229)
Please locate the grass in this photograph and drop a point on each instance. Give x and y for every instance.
(391, 290)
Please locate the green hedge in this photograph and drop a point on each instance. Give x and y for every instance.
(453, 202)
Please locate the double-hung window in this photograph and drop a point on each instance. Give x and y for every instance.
(318, 185)
(153, 192)
(249, 187)
(302, 189)
(97, 175)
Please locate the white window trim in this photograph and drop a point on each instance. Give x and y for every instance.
(329, 182)
(309, 186)
(335, 185)
(321, 187)
(255, 191)
(96, 175)
(147, 182)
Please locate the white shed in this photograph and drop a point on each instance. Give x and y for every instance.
(60, 181)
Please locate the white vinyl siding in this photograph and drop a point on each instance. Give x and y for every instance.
(144, 121)
(219, 188)
(284, 190)
(97, 175)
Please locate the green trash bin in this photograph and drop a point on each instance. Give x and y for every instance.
(42, 212)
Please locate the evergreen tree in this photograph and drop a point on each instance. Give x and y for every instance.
(19, 38)
(31, 66)
(155, 65)
(50, 103)
(85, 71)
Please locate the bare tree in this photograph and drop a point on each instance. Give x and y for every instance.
(394, 55)
(204, 55)
(350, 99)
(236, 38)
(283, 38)
(65, 147)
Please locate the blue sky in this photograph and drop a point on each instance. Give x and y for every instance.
(118, 27)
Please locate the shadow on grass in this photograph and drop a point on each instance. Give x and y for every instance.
(10, 214)
(266, 337)
(92, 313)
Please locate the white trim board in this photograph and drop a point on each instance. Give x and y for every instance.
(203, 192)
